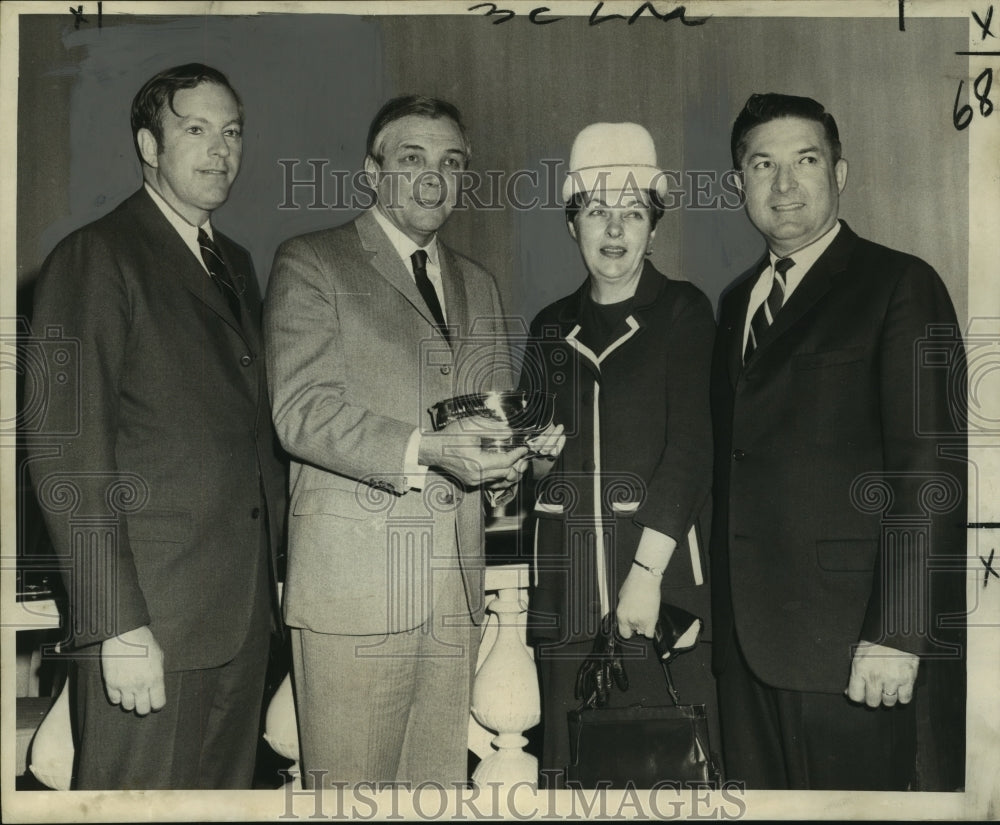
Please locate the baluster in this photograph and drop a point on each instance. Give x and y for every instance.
(280, 730)
(504, 699)
(505, 695)
(93, 523)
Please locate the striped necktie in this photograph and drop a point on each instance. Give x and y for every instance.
(767, 311)
(219, 272)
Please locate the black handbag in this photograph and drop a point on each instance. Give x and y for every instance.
(638, 746)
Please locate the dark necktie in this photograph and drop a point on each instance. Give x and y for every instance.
(419, 261)
(767, 311)
(219, 272)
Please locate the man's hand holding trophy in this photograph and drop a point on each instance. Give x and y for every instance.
(487, 439)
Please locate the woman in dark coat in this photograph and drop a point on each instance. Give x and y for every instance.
(622, 513)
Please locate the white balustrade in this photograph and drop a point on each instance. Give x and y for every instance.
(51, 748)
(281, 731)
(505, 695)
(505, 700)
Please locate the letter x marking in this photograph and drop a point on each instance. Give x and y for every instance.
(988, 564)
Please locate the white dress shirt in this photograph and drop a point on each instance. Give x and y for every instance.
(188, 233)
(405, 246)
(804, 259)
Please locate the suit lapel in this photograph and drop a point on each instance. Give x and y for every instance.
(569, 328)
(737, 321)
(651, 284)
(178, 259)
(808, 293)
(648, 291)
(456, 306)
(249, 326)
(386, 261)
(814, 286)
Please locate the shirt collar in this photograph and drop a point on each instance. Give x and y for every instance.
(403, 244)
(808, 255)
(188, 232)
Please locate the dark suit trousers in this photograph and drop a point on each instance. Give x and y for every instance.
(204, 738)
(777, 739)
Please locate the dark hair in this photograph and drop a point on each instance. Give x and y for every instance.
(406, 105)
(158, 93)
(579, 200)
(761, 108)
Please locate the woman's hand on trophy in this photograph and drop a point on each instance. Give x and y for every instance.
(548, 443)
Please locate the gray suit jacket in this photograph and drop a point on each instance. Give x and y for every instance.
(354, 363)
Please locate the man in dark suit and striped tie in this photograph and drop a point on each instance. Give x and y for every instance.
(837, 543)
(175, 465)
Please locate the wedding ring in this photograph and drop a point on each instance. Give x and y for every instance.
(888, 692)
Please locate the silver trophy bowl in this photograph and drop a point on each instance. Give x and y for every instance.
(525, 413)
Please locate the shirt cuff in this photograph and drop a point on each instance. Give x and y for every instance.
(413, 470)
(655, 548)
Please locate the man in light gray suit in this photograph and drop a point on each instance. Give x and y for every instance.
(367, 325)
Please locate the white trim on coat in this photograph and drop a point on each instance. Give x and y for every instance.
(599, 548)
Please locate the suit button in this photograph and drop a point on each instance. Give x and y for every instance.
(255, 512)
(446, 370)
(589, 466)
(738, 455)
(246, 360)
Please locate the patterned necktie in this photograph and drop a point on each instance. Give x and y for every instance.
(219, 272)
(766, 312)
(419, 261)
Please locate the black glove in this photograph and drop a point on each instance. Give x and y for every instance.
(604, 664)
(677, 631)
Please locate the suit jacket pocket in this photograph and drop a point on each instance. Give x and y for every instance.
(624, 508)
(173, 526)
(564, 595)
(829, 358)
(544, 510)
(550, 530)
(847, 555)
(331, 501)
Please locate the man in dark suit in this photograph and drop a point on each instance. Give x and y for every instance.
(366, 326)
(837, 546)
(166, 505)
